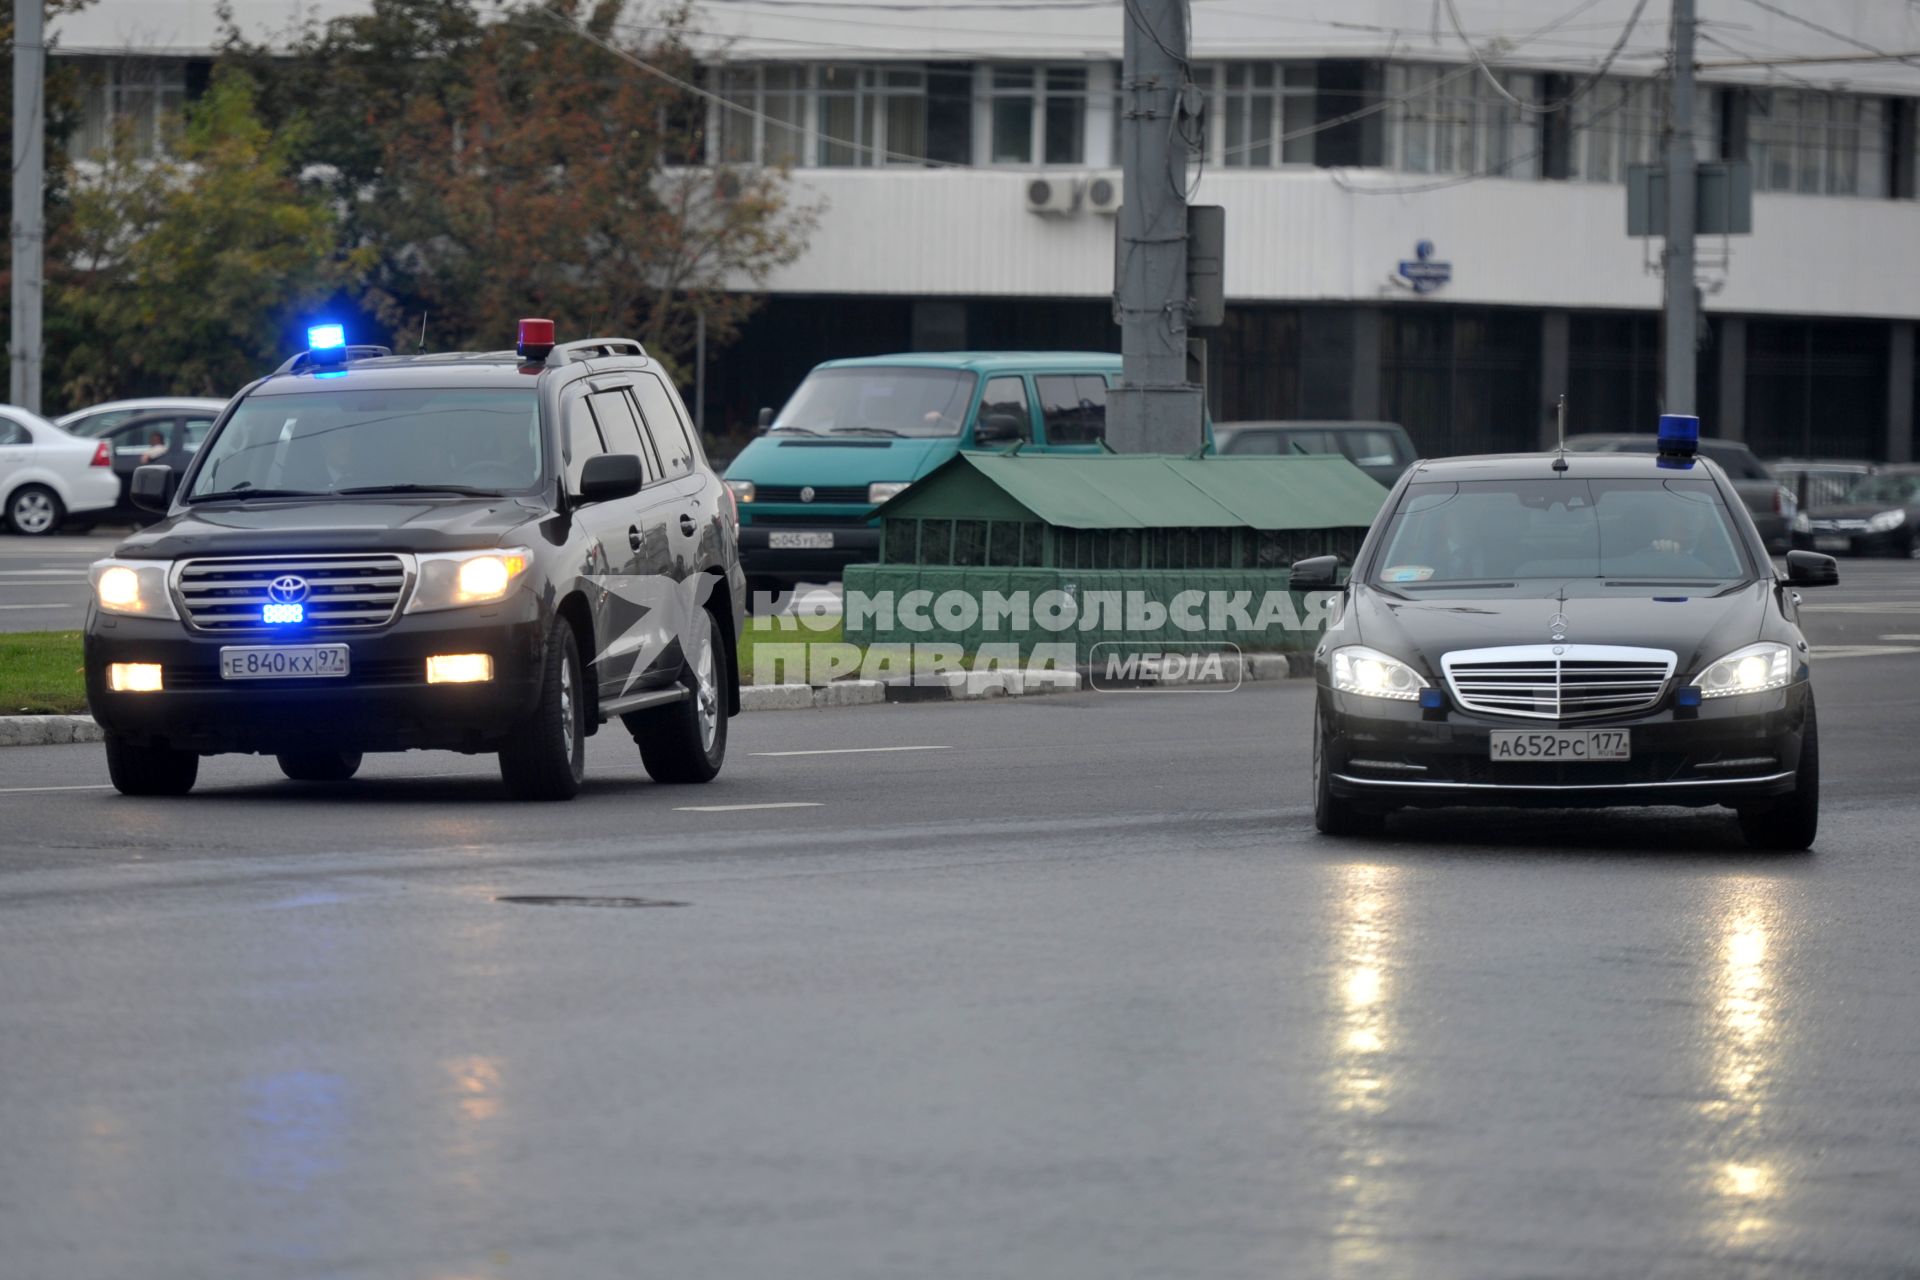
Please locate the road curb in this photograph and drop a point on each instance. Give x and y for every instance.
(958, 686)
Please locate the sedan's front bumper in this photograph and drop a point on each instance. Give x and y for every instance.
(1727, 752)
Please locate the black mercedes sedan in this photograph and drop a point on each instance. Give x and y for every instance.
(1577, 631)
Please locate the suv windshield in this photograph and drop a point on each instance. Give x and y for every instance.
(326, 442)
(879, 402)
(1510, 530)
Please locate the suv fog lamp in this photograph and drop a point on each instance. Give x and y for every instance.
(133, 677)
(459, 668)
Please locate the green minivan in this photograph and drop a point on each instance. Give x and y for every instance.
(856, 432)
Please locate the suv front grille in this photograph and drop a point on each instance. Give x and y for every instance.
(344, 593)
(821, 493)
(1575, 683)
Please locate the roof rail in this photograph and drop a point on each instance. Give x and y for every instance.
(594, 349)
(306, 358)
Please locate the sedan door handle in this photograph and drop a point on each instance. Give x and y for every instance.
(633, 536)
(687, 524)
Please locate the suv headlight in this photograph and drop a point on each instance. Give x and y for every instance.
(1372, 674)
(1754, 669)
(455, 579)
(1887, 521)
(742, 490)
(877, 493)
(135, 588)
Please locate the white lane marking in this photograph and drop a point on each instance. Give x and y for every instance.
(738, 808)
(50, 604)
(1889, 607)
(1900, 638)
(43, 573)
(846, 751)
(1861, 650)
(91, 786)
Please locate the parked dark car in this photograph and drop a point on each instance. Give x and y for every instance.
(471, 551)
(1819, 482)
(1879, 516)
(169, 437)
(1381, 449)
(1770, 503)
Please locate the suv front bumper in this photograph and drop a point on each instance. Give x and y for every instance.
(384, 703)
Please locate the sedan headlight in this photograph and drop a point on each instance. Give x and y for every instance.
(1754, 669)
(1887, 521)
(886, 489)
(135, 588)
(742, 490)
(1801, 524)
(454, 579)
(1372, 674)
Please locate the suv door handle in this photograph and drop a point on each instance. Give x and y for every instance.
(687, 524)
(633, 536)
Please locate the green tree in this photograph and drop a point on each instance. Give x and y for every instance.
(527, 158)
(188, 273)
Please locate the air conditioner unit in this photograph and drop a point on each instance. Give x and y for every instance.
(1052, 196)
(1103, 191)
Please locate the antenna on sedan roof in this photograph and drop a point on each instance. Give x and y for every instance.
(1560, 463)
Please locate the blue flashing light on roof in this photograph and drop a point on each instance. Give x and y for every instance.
(326, 337)
(1679, 440)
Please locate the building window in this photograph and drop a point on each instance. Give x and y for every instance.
(1448, 119)
(764, 120)
(1262, 112)
(1616, 124)
(1037, 113)
(1817, 143)
(135, 99)
(872, 116)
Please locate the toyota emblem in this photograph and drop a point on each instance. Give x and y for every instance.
(288, 588)
(806, 493)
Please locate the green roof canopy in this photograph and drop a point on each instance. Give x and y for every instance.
(1148, 491)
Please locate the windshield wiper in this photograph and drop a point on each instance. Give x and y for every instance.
(243, 490)
(1443, 586)
(869, 431)
(458, 490)
(802, 431)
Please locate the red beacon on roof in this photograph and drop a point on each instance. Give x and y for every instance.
(536, 339)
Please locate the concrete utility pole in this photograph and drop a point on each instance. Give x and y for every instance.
(1683, 321)
(29, 198)
(1155, 409)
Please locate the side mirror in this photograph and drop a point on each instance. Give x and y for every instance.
(1804, 568)
(766, 417)
(610, 475)
(1322, 573)
(996, 427)
(152, 487)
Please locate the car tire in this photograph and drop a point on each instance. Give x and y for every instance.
(150, 771)
(34, 511)
(1334, 815)
(1791, 822)
(546, 755)
(319, 766)
(686, 742)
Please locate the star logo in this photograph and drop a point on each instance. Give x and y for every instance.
(1557, 624)
(665, 610)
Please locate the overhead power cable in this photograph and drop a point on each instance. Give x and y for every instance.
(1575, 94)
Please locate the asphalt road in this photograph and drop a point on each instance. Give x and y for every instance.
(43, 581)
(1061, 987)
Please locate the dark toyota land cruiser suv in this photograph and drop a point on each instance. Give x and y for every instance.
(476, 551)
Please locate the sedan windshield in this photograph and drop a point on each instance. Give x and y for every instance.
(879, 402)
(458, 439)
(1893, 490)
(1512, 530)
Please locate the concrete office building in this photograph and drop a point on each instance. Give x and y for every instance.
(1343, 135)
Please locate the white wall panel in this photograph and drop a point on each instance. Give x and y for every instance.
(1301, 237)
